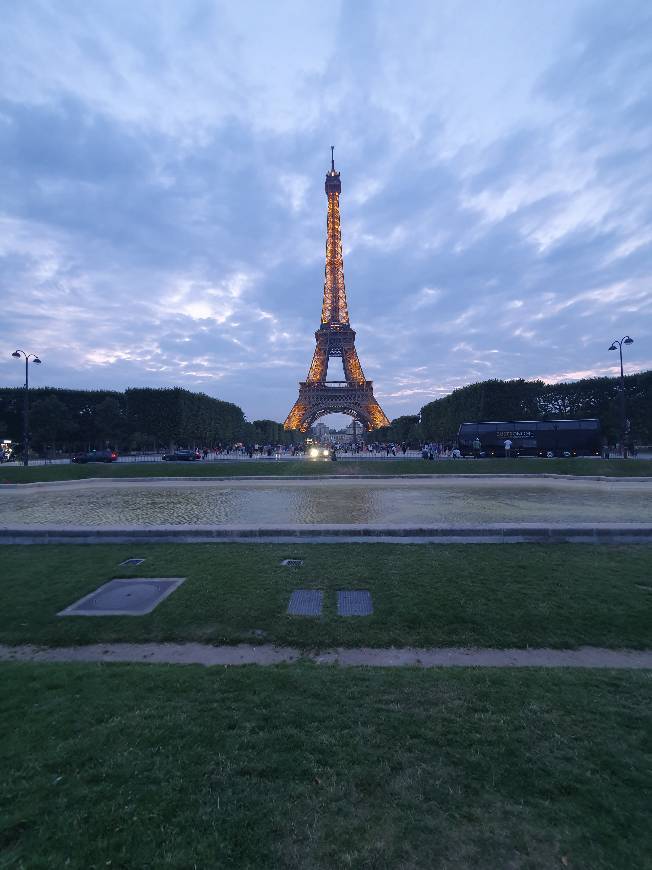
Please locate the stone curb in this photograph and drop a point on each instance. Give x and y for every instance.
(313, 478)
(308, 533)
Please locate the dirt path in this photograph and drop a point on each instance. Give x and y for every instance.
(266, 654)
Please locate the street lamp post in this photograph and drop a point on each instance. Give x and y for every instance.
(28, 356)
(623, 419)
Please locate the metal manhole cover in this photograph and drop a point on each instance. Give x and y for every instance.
(124, 597)
(306, 602)
(292, 563)
(354, 603)
(132, 562)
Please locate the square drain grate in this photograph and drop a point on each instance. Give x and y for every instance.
(124, 597)
(306, 602)
(292, 563)
(131, 562)
(354, 603)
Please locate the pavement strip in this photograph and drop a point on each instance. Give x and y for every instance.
(268, 654)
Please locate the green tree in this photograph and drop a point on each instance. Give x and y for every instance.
(50, 422)
(534, 400)
(406, 429)
(110, 422)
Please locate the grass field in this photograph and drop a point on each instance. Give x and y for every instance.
(344, 467)
(132, 766)
(320, 768)
(519, 595)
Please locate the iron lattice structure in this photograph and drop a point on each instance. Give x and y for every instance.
(335, 338)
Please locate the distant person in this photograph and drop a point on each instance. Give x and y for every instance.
(476, 447)
(508, 448)
(456, 453)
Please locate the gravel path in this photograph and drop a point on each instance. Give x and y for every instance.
(267, 654)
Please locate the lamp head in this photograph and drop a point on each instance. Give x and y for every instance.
(628, 340)
(613, 347)
(37, 361)
(16, 353)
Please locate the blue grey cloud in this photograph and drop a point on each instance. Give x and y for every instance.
(163, 213)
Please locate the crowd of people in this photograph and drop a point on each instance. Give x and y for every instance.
(429, 450)
(289, 450)
(439, 450)
(251, 450)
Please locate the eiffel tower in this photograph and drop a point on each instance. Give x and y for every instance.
(335, 338)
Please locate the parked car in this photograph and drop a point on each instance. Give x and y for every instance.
(182, 456)
(96, 456)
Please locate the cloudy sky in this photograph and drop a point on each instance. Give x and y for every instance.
(162, 210)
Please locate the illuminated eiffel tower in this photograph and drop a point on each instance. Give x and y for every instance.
(335, 338)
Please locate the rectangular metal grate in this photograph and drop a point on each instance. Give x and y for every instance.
(132, 562)
(354, 603)
(292, 563)
(306, 602)
(119, 597)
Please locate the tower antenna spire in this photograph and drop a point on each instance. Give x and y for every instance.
(333, 158)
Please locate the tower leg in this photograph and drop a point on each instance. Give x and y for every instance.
(319, 364)
(352, 368)
(297, 416)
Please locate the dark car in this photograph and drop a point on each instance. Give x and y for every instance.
(181, 456)
(96, 456)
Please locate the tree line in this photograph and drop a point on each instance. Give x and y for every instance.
(136, 419)
(144, 418)
(599, 398)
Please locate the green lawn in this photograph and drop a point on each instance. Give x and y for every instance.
(146, 766)
(488, 595)
(344, 467)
